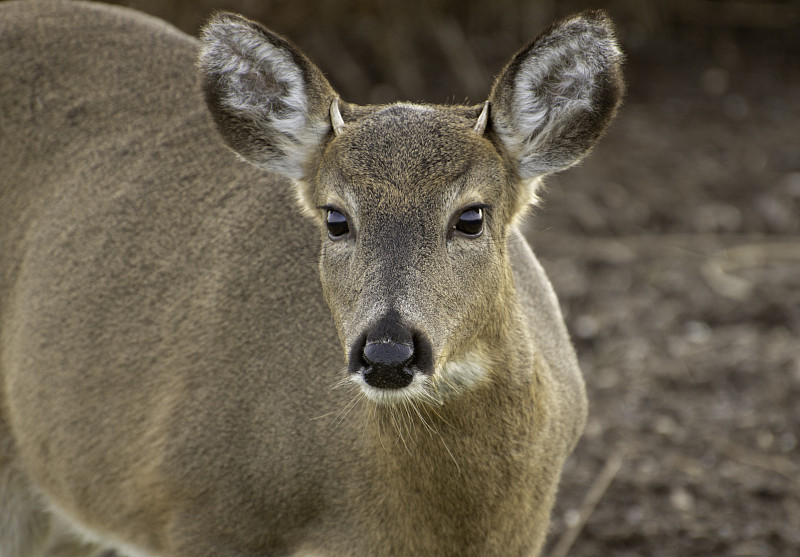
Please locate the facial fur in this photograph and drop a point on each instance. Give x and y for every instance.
(401, 197)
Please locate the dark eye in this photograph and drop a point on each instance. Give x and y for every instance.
(470, 222)
(337, 224)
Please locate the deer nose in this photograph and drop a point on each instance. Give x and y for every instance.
(387, 352)
(388, 355)
(387, 364)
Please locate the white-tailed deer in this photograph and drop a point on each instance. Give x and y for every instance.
(193, 368)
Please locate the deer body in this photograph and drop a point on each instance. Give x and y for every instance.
(190, 367)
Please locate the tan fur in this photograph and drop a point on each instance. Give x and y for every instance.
(175, 334)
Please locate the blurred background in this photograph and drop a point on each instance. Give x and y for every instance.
(675, 247)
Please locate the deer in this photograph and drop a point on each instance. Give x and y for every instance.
(242, 317)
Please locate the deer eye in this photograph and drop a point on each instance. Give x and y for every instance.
(336, 223)
(470, 222)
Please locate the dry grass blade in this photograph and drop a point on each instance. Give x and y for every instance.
(596, 492)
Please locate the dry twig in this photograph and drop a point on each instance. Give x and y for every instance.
(773, 463)
(593, 496)
(718, 268)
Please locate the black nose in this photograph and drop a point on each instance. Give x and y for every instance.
(386, 352)
(389, 354)
(387, 362)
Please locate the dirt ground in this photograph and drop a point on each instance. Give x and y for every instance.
(675, 249)
(676, 255)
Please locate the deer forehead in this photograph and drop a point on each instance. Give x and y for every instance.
(411, 155)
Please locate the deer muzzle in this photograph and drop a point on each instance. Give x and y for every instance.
(389, 353)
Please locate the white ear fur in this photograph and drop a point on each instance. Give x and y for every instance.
(557, 95)
(259, 94)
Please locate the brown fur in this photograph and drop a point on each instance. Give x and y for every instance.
(168, 359)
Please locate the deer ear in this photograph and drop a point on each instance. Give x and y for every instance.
(270, 103)
(557, 95)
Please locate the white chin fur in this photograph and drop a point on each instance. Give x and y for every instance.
(418, 390)
(449, 379)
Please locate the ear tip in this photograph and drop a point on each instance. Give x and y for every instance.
(596, 20)
(596, 14)
(216, 19)
(222, 23)
(598, 24)
(215, 27)
(222, 17)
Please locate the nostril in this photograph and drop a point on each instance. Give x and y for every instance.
(388, 353)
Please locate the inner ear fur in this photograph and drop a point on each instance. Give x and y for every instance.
(270, 103)
(558, 94)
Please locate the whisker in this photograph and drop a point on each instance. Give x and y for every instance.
(345, 381)
(378, 427)
(325, 415)
(410, 422)
(428, 427)
(343, 412)
(399, 423)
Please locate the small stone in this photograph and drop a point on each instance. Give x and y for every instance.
(698, 332)
(765, 440)
(586, 327)
(681, 499)
(572, 518)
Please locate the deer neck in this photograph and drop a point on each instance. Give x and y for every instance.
(471, 458)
